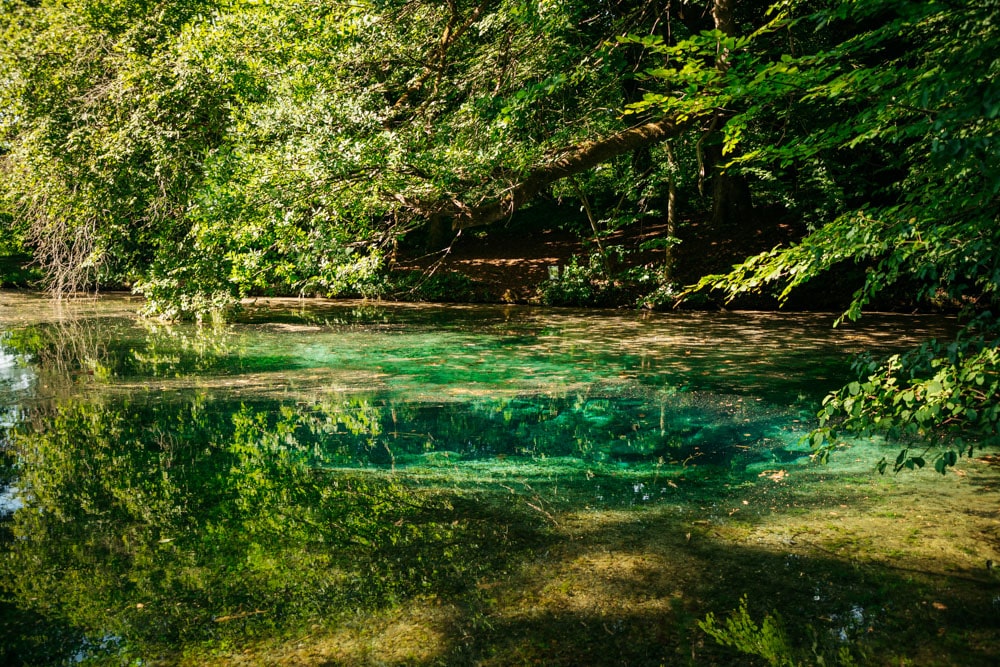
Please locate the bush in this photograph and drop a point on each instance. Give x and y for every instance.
(597, 283)
(770, 641)
(446, 286)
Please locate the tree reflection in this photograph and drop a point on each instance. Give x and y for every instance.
(164, 524)
(158, 518)
(70, 351)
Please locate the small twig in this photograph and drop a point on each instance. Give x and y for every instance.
(539, 509)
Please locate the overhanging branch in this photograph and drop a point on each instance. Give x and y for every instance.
(573, 160)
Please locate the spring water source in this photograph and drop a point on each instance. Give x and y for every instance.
(357, 483)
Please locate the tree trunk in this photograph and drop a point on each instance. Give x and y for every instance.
(670, 258)
(573, 160)
(731, 201)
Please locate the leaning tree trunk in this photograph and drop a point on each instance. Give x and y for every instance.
(731, 195)
(573, 160)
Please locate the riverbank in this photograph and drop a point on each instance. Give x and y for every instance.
(527, 263)
(512, 264)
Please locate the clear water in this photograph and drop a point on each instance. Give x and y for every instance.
(172, 491)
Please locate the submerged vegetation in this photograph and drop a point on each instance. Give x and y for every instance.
(242, 531)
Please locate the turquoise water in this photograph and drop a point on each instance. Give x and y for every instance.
(173, 490)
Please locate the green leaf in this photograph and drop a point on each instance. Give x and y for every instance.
(817, 439)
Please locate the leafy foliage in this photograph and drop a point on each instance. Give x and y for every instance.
(945, 392)
(575, 284)
(906, 94)
(915, 104)
(201, 152)
(769, 640)
(597, 280)
(739, 631)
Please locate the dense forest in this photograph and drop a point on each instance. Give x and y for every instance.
(201, 151)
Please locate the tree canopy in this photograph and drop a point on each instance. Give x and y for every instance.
(200, 151)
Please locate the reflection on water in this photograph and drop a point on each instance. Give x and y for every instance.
(153, 523)
(170, 487)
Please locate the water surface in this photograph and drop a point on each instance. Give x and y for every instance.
(172, 490)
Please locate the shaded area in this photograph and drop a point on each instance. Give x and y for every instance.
(511, 261)
(205, 525)
(17, 270)
(618, 587)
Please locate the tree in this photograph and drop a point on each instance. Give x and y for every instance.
(105, 130)
(326, 133)
(907, 94)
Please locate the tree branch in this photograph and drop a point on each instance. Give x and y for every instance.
(573, 160)
(452, 32)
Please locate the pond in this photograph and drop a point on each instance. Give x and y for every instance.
(361, 483)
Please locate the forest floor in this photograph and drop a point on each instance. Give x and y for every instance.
(511, 263)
